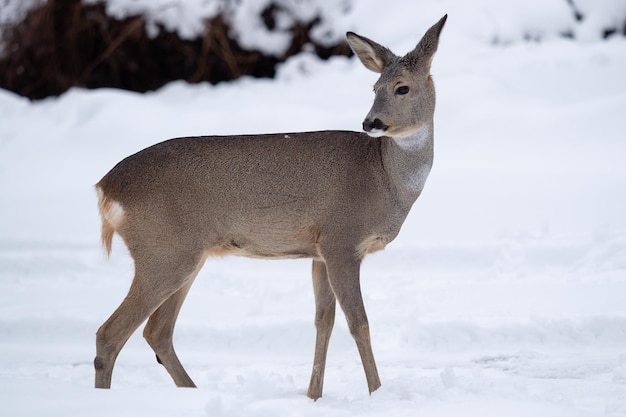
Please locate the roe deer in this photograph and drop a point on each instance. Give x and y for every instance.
(333, 196)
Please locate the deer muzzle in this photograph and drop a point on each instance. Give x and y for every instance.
(375, 127)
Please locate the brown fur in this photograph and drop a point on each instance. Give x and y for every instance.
(333, 196)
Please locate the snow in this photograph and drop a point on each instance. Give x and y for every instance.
(504, 294)
(12, 11)
(600, 15)
(187, 18)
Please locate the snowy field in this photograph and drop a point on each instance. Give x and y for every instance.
(504, 295)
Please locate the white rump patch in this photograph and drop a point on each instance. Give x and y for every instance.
(111, 211)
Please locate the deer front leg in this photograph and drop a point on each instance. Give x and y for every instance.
(343, 275)
(324, 321)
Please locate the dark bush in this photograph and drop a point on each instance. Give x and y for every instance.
(65, 43)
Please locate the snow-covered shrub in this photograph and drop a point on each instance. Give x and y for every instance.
(599, 18)
(49, 46)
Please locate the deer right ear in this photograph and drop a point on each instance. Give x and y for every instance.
(375, 57)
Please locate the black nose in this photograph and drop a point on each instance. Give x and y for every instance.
(369, 125)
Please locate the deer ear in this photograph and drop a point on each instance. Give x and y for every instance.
(426, 48)
(375, 57)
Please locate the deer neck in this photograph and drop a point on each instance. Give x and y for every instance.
(407, 161)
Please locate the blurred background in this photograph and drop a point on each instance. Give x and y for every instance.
(49, 46)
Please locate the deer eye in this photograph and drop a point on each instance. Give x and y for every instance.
(402, 90)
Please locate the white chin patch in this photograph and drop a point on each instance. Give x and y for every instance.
(376, 133)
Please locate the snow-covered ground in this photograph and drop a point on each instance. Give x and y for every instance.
(505, 293)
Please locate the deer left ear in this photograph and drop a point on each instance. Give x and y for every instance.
(375, 57)
(426, 48)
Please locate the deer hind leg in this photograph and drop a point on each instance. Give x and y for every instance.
(152, 285)
(324, 320)
(343, 275)
(159, 334)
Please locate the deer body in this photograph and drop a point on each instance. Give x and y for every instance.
(333, 196)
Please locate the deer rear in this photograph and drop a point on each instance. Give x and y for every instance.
(333, 196)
